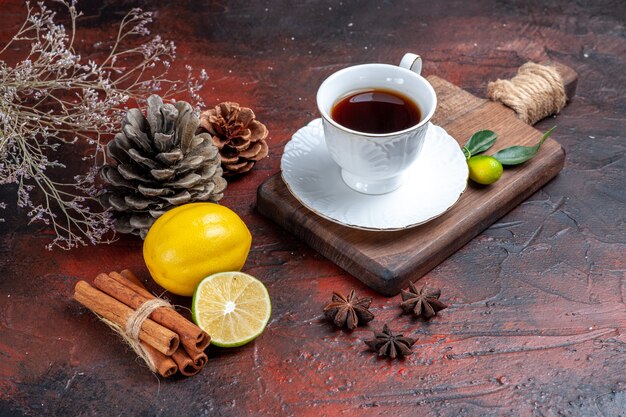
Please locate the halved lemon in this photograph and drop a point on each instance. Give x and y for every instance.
(232, 307)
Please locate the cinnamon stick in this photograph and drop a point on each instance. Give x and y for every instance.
(127, 278)
(199, 358)
(162, 339)
(164, 365)
(133, 295)
(186, 365)
(126, 273)
(135, 284)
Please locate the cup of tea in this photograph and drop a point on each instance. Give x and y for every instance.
(375, 118)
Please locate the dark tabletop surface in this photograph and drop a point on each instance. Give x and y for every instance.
(536, 319)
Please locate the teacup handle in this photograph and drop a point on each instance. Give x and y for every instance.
(412, 62)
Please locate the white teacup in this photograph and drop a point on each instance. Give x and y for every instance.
(375, 163)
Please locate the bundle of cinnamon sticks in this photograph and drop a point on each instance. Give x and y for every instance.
(170, 342)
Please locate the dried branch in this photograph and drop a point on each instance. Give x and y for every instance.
(52, 99)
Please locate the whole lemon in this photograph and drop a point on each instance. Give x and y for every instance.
(193, 241)
(484, 169)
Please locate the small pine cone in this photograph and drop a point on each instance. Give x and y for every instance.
(160, 163)
(237, 134)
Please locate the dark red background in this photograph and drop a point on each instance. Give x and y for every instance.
(536, 318)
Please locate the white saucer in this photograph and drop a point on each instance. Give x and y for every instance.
(435, 183)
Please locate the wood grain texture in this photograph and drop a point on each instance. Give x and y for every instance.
(387, 261)
(537, 317)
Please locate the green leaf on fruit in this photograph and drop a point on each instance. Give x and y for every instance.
(479, 142)
(516, 155)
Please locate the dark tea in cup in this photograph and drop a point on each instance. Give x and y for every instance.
(375, 119)
(376, 111)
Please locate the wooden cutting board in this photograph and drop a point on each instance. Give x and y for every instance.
(386, 261)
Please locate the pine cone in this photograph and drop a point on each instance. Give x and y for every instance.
(160, 163)
(239, 137)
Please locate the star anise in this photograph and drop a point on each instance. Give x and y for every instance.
(349, 311)
(423, 302)
(390, 343)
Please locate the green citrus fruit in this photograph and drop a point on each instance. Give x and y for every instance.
(192, 241)
(484, 169)
(232, 307)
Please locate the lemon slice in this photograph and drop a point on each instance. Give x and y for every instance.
(232, 307)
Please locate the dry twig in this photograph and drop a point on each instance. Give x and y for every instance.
(52, 98)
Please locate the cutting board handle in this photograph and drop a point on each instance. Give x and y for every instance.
(569, 76)
(536, 91)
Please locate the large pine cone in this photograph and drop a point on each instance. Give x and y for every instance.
(237, 134)
(160, 163)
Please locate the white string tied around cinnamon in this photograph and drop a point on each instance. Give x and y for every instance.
(537, 91)
(130, 333)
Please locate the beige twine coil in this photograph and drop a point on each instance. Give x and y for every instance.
(537, 91)
(130, 333)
